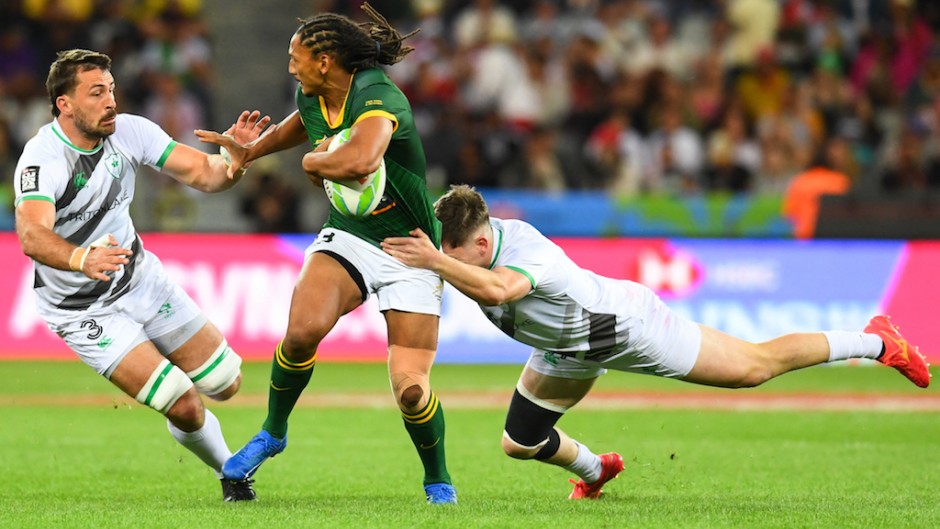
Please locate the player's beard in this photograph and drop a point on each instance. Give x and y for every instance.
(93, 129)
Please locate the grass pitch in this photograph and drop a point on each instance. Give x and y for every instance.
(77, 453)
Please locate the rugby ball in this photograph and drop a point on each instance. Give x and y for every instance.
(355, 198)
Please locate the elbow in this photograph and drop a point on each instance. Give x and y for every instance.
(361, 169)
(29, 243)
(492, 297)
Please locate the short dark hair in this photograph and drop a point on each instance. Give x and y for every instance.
(461, 211)
(63, 76)
(354, 46)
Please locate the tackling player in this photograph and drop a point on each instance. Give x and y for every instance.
(581, 324)
(96, 285)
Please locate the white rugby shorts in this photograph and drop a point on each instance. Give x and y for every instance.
(395, 285)
(154, 309)
(657, 342)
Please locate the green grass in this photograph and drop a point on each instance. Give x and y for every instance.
(113, 465)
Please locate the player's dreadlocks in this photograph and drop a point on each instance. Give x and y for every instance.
(354, 46)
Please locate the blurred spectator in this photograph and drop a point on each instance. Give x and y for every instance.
(174, 109)
(175, 45)
(706, 97)
(907, 170)
(619, 153)
(470, 167)
(762, 89)
(733, 156)
(499, 80)
(173, 208)
(271, 203)
(754, 24)
(777, 170)
(542, 163)
(481, 21)
(676, 152)
(589, 73)
(722, 172)
(8, 157)
(801, 201)
(661, 50)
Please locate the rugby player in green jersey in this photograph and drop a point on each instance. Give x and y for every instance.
(336, 63)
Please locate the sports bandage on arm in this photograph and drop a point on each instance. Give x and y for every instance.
(79, 254)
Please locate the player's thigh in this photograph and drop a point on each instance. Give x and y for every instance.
(562, 381)
(136, 368)
(412, 330)
(326, 289)
(196, 350)
(413, 360)
(723, 360)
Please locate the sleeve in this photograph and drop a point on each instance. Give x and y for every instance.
(152, 143)
(528, 252)
(39, 178)
(378, 100)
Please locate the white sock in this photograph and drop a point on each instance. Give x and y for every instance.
(846, 344)
(207, 442)
(587, 465)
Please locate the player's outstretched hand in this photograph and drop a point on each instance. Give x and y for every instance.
(234, 141)
(417, 250)
(105, 257)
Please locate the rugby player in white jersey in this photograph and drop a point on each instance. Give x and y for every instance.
(581, 324)
(96, 285)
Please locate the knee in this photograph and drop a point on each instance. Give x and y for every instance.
(411, 389)
(300, 345)
(517, 451)
(219, 377)
(188, 413)
(753, 376)
(411, 396)
(230, 391)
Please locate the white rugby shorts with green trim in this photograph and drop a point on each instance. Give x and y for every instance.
(155, 309)
(657, 341)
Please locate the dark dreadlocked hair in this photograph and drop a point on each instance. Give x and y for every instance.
(354, 46)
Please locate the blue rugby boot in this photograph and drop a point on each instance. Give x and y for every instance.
(243, 464)
(440, 493)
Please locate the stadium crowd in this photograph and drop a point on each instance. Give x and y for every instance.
(629, 96)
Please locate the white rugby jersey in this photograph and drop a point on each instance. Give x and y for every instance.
(569, 309)
(92, 191)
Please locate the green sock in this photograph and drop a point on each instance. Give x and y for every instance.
(426, 429)
(288, 381)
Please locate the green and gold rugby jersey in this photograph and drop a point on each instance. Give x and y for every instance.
(406, 204)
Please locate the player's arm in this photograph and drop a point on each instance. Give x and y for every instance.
(211, 172)
(487, 287)
(361, 155)
(205, 172)
(284, 135)
(34, 222)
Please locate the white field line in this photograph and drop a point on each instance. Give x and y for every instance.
(730, 401)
